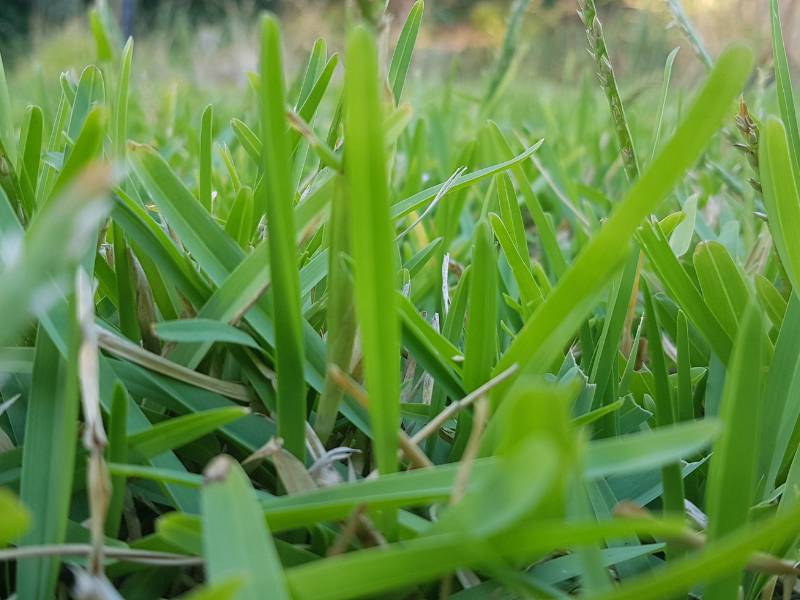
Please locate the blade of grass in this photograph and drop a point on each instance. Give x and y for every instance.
(732, 474)
(374, 255)
(287, 317)
(401, 57)
(235, 538)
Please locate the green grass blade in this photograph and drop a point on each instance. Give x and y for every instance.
(280, 227)
(783, 86)
(401, 58)
(480, 351)
(117, 453)
(781, 196)
(372, 243)
(205, 153)
(51, 434)
(732, 474)
(179, 431)
(235, 538)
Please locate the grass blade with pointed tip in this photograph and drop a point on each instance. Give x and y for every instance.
(235, 538)
(372, 244)
(206, 140)
(279, 204)
(401, 58)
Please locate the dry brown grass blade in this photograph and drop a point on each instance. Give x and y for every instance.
(122, 348)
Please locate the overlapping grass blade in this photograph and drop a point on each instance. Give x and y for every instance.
(548, 330)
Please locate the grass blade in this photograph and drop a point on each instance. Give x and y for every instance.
(372, 245)
(280, 225)
(235, 538)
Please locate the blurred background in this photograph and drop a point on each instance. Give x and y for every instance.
(207, 47)
(471, 29)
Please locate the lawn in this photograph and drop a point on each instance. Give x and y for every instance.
(349, 328)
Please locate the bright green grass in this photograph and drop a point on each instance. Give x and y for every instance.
(350, 344)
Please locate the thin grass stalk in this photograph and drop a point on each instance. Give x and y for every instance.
(587, 11)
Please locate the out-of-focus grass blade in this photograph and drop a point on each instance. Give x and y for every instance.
(781, 197)
(202, 331)
(340, 317)
(530, 294)
(30, 158)
(372, 244)
(685, 404)
(771, 300)
(88, 145)
(649, 450)
(226, 589)
(67, 223)
(235, 537)
(724, 289)
(783, 86)
(673, 497)
(421, 199)
(481, 334)
(6, 123)
(505, 61)
(544, 335)
(206, 140)
(117, 453)
(48, 459)
(732, 474)
(682, 289)
(179, 431)
(401, 58)
(727, 555)
(781, 396)
(16, 518)
(126, 294)
(367, 573)
(663, 103)
(279, 203)
(89, 94)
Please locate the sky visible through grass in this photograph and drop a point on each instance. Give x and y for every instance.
(353, 318)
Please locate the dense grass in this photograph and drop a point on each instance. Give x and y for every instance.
(341, 346)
